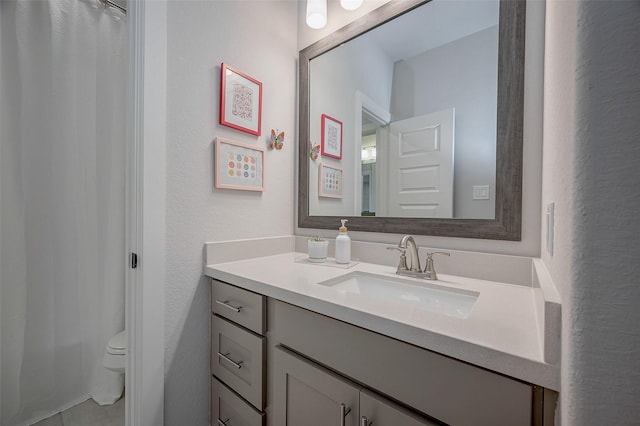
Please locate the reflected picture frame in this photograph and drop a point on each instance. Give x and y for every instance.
(330, 181)
(240, 101)
(238, 166)
(331, 137)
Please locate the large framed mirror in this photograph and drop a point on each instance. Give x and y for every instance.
(416, 135)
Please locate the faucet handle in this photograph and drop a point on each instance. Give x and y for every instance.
(402, 264)
(429, 268)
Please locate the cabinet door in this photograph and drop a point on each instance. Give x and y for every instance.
(305, 394)
(378, 411)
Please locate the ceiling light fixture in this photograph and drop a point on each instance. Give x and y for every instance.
(316, 13)
(350, 4)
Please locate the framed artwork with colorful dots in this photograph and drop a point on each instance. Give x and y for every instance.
(330, 182)
(240, 101)
(238, 166)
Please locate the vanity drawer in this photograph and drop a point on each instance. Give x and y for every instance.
(238, 359)
(240, 306)
(228, 409)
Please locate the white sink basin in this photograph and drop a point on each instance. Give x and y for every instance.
(425, 295)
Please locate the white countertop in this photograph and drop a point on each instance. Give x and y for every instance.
(500, 333)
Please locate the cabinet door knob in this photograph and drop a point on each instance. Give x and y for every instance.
(344, 411)
(226, 304)
(237, 365)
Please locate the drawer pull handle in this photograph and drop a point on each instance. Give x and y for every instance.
(223, 422)
(365, 422)
(237, 365)
(226, 304)
(344, 411)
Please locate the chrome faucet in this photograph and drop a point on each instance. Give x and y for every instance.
(408, 243)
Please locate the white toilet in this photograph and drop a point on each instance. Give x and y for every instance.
(110, 387)
(115, 354)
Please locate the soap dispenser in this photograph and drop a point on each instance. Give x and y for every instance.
(343, 245)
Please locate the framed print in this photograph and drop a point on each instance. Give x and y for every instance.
(331, 137)
(239, 166)
(330, 182)
(240, 101)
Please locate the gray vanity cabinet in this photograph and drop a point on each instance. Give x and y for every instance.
(276, 364)
(306, 394)
(437, 386)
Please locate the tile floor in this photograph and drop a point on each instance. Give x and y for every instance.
(88, 413)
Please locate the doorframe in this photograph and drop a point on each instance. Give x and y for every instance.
(381, 116)
(145, 207)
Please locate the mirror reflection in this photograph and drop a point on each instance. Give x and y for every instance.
(417, 102)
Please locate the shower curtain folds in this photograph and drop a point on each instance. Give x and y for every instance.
(62, 84)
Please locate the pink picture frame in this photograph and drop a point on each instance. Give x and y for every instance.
(238, 166)
(331, 137)
(240, 101)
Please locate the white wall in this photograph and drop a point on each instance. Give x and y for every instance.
(462, 75)
(334, 93)
(255, 37)
(530, 243)
(558, 183)
(592, 102)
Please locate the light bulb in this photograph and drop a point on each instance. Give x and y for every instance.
(316, 13)
(351, 4)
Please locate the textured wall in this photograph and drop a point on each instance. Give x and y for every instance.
(604, 346)
(592, 101)
(255, 37)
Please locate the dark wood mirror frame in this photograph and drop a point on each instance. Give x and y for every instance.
(508, 194)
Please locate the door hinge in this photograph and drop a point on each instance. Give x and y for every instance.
(134, 260)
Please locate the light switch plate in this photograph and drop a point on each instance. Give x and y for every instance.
(480, 192)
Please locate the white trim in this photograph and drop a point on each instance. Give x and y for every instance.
(382, 117)
(132, 222)
(146, 137)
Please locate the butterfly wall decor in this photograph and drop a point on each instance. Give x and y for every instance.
(314, 151)
(277, 139)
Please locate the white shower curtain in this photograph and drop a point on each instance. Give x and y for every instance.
(62, 104)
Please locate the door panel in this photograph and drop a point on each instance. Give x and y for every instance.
(308, 395)
(421, 166)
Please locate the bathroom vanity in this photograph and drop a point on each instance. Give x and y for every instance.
(293, 344)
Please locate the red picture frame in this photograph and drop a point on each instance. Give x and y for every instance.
(331, 137)
(240, 101)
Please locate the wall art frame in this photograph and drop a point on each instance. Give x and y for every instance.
(331, 137)
(330, 181)
(240, 101)
(238, 166)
